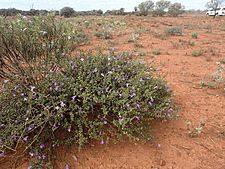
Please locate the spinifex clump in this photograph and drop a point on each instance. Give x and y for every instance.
(86, 98)
(25, 42)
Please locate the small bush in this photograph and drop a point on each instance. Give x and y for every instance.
(79, 100)
(197, 53)
(156, 52)
(142, 53)
(194, 35)
(173, 31)
(103, 34)
(67, 12)
(192, 43)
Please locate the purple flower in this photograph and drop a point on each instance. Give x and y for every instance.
(67, 166)
(44, 157)
(30, 128)
(121, 120)
(57, 107)
(41, 146)
(51, 71)
(50, 89)
(150, 104)
(6, 81)
(39, 157)
(14, 138)
(95, 70)
(31, 154)
(69, 129)
(32, 88)
(138, 106)
(25, 139)
(56, 86)
(29, 167)
(109, 54)
(102, 141)
(158, 145)
(62, 104)
(2, 154)
(136, 117)
(152, 100)
(170, 110)
(73, 98)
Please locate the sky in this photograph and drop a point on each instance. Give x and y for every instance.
(80, 5)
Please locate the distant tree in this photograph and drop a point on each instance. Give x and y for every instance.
(135, 9)
(146, 7)
(67, 12)
(214, 5)
(160, 7)
(99, 12)
(176, 9)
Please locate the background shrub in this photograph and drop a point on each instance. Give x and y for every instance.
(173, 31)
(161, 7)
(145, 7)
(27, 42)
(84, 98)
(67, 12)
(176, 9)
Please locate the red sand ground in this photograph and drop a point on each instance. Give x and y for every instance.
(172, 147)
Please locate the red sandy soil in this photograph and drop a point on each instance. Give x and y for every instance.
(172, 147)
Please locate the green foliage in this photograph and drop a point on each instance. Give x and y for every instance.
(173, 31)
(146, 7)
(176, 9)
(79, 100)
(26, 42)
(160, 7)
(194, 35)
(104, 34)
(192, 43)
(67, 12)
(197, 53)
(156, 52)
(142, 53)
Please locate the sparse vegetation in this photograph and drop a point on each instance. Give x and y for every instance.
(192, 43)
(173, 31)
(142, 53)
(194, 35)
(156, 52)
(197, 53)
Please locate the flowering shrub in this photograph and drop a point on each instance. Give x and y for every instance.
(79, 100)
(26, 41)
